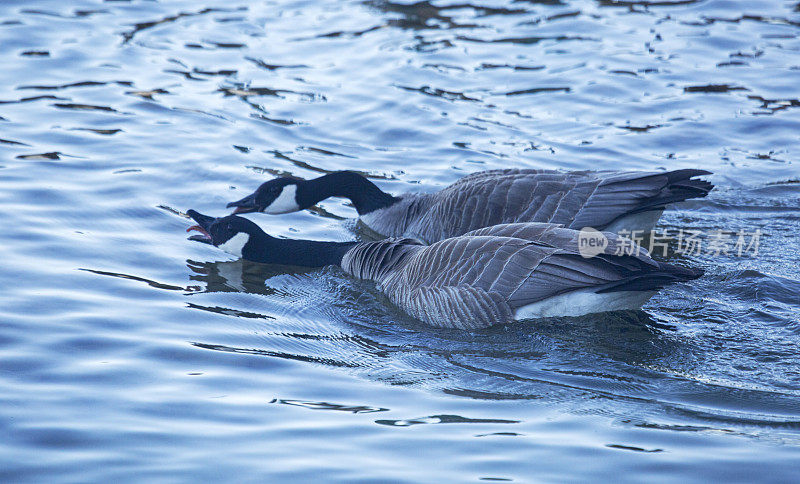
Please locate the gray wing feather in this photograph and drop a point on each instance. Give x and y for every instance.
(459, 282)
(376, 260)
(464, 281)
(514, 272)
(542, 174)
(461, 307)
(480, 279)
(633, 192)
(575, 199)
(496, 197)
(556, 235)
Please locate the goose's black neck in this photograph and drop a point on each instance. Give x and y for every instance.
(365, 196)
(305, 253)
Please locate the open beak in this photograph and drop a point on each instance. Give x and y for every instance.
(203, 226)
(245, 205)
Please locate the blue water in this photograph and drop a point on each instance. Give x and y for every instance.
(128, 353)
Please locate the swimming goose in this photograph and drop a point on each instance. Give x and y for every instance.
(610, 201)
(489, 276)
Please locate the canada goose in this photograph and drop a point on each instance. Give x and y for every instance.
(610, 201)
(489, 276)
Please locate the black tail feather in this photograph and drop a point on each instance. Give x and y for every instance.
(654, 280)
(680, 187)
(684, 174)
(629, 193)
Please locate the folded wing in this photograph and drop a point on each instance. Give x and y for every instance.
(476, 281)
(574, 199)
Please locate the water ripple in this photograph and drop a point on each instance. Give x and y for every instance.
(127, 349)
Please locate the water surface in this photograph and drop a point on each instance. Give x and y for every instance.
(130, 353)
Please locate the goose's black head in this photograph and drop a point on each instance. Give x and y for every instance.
(242, 238)
(273, 197)
(235, 235)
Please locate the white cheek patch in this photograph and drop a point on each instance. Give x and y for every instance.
(285, 202)
(235, 244)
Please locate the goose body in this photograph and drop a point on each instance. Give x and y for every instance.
(485, 277)
(605, 200)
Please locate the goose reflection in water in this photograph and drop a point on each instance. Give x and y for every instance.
(239, 275)
(581, 363)
(600, 352)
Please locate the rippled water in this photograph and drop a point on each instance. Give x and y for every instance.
(127, 352)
